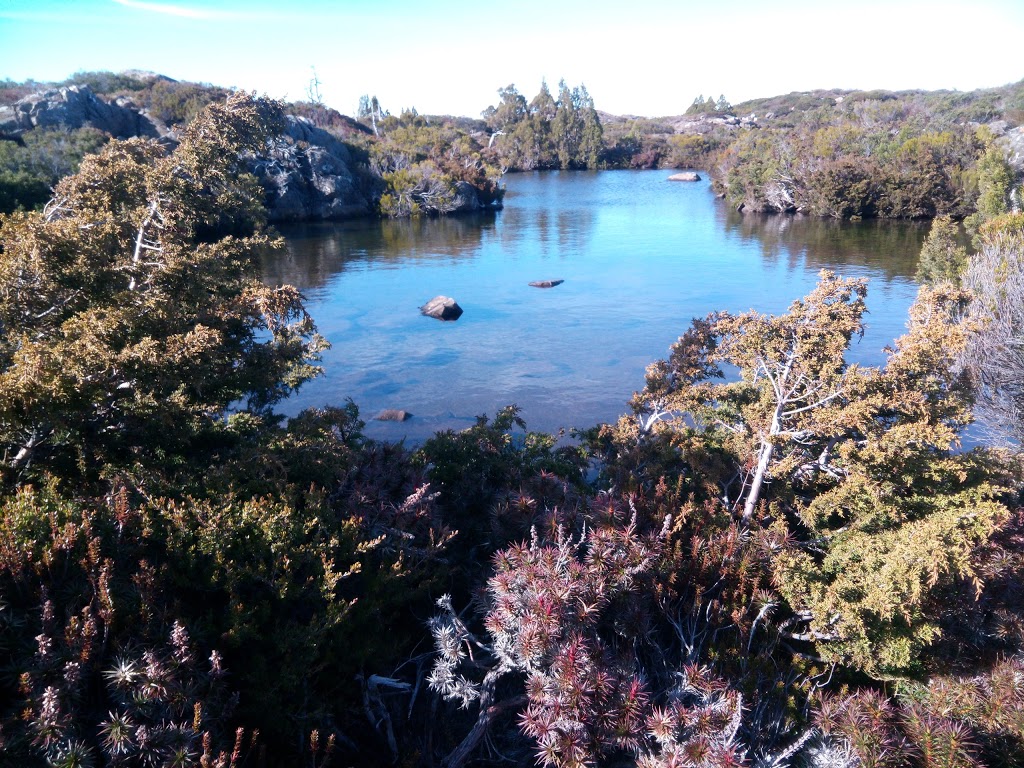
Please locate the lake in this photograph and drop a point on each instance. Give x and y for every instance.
(640, 257)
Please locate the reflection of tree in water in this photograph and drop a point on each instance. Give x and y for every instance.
(891, 247)
(562, 232)
(314, 253)
(575, 228)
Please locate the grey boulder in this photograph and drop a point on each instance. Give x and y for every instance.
(392, 414)
(443, 308)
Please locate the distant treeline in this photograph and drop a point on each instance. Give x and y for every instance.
(843, 154)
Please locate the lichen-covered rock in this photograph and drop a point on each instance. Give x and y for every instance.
(76, 106)
(308, 174)
(442, 308)
(685, 176)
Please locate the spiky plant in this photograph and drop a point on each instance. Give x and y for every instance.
(939, 742)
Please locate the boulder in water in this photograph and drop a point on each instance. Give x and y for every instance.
(443, 308)
(392, 414)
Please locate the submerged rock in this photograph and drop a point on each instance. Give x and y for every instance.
(546, 283)
(685, 176)
(443, 308)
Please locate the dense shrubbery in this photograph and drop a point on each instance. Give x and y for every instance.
(797, 564)
(427, 165)
(850, 169)
(150, 493)
(893, 155)
(30, 169)
(173, 102)
(422, 166)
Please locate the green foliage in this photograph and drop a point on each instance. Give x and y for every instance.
(709, 106)
(29, 170)
(843, 189)
(136, 321)
(512, 109)
(804, 525)
(109, 83)
(546, 133)
(995, 183)
(692, 150)
(853, 163)
(21, 190)
(755, 172)
(942, 259)
(179, 103)
(284, 581)
(881, 508)
(495, 481)
(429, 168)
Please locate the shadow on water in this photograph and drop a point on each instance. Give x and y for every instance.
(887, 249)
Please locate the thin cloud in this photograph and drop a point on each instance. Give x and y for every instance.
(174, 10)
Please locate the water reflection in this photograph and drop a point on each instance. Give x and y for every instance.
(886, 248)
(316, 253)
(558, 223)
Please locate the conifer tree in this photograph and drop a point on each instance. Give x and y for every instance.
(942, 258)
(859, 468)
(132, 309)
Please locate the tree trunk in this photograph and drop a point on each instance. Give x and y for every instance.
(768, 444)
(488, 711)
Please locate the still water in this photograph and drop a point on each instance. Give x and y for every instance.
(640, 257)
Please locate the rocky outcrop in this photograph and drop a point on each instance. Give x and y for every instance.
(546, 283)
(1012, 142)
(76, 106)
(685, 176)
(308, 175)
(467, 198)
(442, 308)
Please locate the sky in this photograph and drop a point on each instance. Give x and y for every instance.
(639, 57)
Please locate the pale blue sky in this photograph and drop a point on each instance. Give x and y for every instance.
(648, 57)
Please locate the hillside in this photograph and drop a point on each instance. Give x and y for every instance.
(836, 153)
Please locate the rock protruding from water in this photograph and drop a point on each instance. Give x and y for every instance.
(685, 176)
(546, 283)
(392, 414)
(76, 106)
(467, 198)
(308, 175)
(443, 308)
